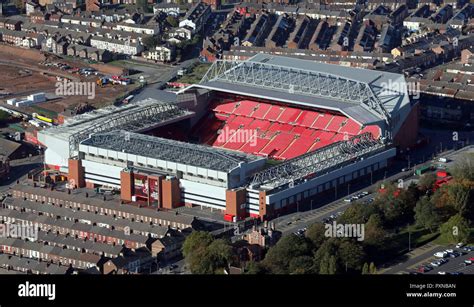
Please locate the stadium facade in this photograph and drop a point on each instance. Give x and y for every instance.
(253, 138)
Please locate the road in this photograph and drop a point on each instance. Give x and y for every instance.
(19, 170)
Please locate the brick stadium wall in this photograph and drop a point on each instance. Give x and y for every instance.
(31, 54)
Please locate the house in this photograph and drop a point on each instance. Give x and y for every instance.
(13, 25)
(138, 28)
(172, 9)
(31, 7)
(184, 33)
(12, 37)
(168, 247)
(164, 53)
(39, 17)
(117, 46)
(467, 55)
(263, 236)
(130, 262)
(196, 17)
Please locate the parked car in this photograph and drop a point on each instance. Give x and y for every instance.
(459, 245)
(441, 254)
(348, 200)
(450, 251)
(469, 262)
(442, 273)
(435, 263)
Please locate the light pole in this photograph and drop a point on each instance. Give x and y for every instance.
(311, 204)
(348, 189)
(371, 177)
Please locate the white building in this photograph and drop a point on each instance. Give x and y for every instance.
(117, 46)
(165, 53)
(140, 29)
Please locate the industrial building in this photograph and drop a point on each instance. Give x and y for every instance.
(253, 138)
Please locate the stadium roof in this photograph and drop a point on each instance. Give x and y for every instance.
(368, 96)
(136, 117)
(169, 150)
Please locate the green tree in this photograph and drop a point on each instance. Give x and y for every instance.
(150, 41)
(427, 181)
(253, 268)
(301, 265)
(278, 257)
(372, 268)
(426, 214)
(172, 21)
(219, 253)
(351, 255)
(374, 232)
(461, 196)
(315, 234)
(332, 268)
(464, 167)
(456, 229)
(365, 269)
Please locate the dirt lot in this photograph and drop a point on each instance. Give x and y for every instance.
(23, 73)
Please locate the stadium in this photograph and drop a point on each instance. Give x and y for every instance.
(252, 138)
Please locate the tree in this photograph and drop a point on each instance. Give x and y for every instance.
(355, 214)
(150, 41)
(329, 247)
(461, 196)
(332, 269)
(351, 255)
(172, 21)
(372, 268)
(220, 254)
(374, 232)
(427, 181)
(301, 265)
(195, 251)
(365, 269)
(456, 229)
(204, 255)
(464, 167)
(426, 214)
(328, 265)
(315, 234)
(253, 268)
(278, 257)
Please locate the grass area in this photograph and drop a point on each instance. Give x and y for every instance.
(442, 241)
(196, 74)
